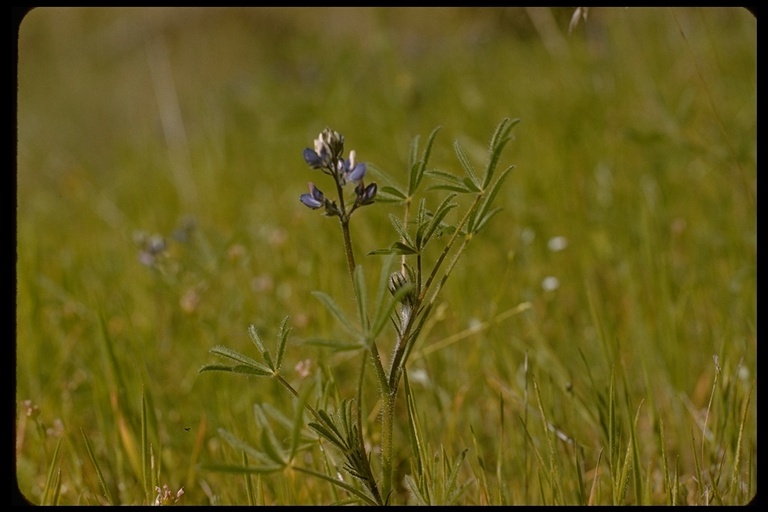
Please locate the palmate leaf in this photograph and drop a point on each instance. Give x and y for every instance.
(339, 483)
(228, 353)
(240, 368)
(402, 232)
(336, 311)
(459, 189)
(335, 345)
(452, 183)
(282, 337)
(298, 421)
(272, 448)
(446, 176)
(260, 412)
(498, 141)
(465, 163)
(390, 191)
(240, 445)
(265, 461)
(389, 194)
(484, 213)
(246, 362)
(254, 334)
(327, 434)
(417, 168)
(395, 248)
(427, 230)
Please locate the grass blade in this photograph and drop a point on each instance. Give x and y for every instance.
(737, 450)
(554, 474)
(51, 484)
(593, 492)
(99, 474)
(248, 484)
(414, 429)
(637, 469)
(145, 455)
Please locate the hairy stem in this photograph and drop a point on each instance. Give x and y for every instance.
(348, 248)
(387, 425)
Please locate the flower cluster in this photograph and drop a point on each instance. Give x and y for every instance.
(327, 156)
(166, 497)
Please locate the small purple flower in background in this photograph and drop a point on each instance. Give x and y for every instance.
(315, 199)
(150, 247)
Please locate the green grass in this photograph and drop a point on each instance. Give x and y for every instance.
(630, 383)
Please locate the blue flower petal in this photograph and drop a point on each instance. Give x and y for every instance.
(310, 201)
(357, 173)
(312, 158)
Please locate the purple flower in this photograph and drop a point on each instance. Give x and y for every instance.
(365, 195)
(353, 171)
(315, 199)
(328, 148)
(314, 160)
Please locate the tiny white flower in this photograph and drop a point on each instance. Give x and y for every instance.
(557, 243)
(550, 283)
(527, 236)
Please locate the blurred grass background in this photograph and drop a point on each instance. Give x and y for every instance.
(637, 146)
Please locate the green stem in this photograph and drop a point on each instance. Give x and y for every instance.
(295, 393)
(450, 243)
(402, 239)
(375, 359)
(348, 248)
(452, 264)
(405, 343)
(387, 426)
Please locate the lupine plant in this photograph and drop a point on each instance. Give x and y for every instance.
(413, 290)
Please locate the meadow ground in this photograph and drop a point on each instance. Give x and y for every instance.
(597, 343)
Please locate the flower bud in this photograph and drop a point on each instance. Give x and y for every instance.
(396, 281)
(333, 140)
